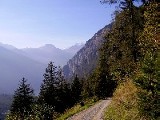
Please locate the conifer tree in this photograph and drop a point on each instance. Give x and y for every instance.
(123, 39)
(63, 97)
(55, 93)
(22, 100)
(48, 87)
(88, 89)
(76, 88)
(48, 91)
(105, 84)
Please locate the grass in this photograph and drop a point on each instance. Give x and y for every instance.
(77, 108)
(124, 103)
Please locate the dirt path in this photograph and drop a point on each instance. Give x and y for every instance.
(95, 112)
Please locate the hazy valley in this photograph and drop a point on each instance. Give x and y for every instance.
(29, 63)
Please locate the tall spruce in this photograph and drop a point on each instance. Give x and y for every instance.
(48, 87)
(63, 97)
(22, 100)
(76, 88)
(55, 93)
(48, 91)
(105, 84)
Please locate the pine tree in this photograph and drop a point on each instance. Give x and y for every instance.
(105, 84)
(63, 97)
(55, 93)
(76, 88)
(22, 100)
(48, 91)
(48, 87)
(88, 89)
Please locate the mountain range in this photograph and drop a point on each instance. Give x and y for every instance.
(49, 52)
(29, 63)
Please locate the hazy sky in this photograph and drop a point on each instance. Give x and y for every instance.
(32, 23)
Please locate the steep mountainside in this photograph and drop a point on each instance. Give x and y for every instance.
(85, 60)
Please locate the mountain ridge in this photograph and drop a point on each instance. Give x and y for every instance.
(85, 60)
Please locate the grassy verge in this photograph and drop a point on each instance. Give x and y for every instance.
(77, 108)
(124, 103)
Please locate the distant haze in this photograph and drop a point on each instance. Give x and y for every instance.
(29, 63)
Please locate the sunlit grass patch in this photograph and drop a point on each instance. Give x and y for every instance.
(124, 103)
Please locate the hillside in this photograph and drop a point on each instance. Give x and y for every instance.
(85, 59)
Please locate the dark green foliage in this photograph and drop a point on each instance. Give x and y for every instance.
(105, 84)
(43, 112)
(101, 83)
(105, 87)
(63, 97)
(122, 41)
(22, 100)
(48, 86)
(149, 82)
(88, 90)
(149, 79)
(76, 88)
(54, 92)
(133, 43)
(48, 91)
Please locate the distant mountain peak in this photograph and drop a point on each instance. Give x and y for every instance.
(75, 48)
(48, 46)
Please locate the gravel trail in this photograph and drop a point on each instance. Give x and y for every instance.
(95, 112)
